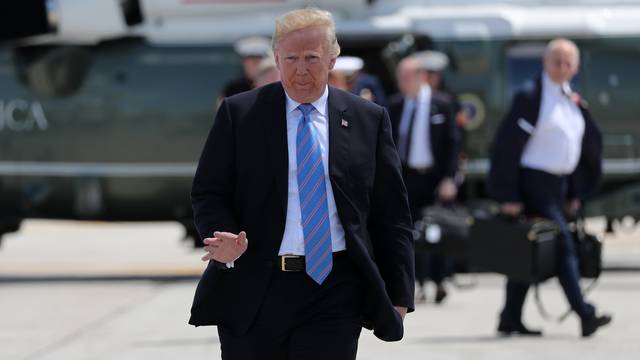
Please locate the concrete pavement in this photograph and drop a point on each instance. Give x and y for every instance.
(57, 302)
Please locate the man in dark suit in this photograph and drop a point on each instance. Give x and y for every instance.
(252, 50)
(347, 75)
(545, 161)
(424, 132)
(299, 195)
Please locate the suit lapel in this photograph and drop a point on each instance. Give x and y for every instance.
(340, 124)
(276, 130)
(537, 100)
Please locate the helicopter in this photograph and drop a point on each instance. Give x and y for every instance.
(105, 104)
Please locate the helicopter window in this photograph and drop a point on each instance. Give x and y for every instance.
(53, 71)
(524, 62)
(472, 57)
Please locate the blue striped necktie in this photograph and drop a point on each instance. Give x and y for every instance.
(312, 191)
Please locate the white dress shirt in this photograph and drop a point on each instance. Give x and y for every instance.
(293, 239)
(420, 154)
(555, 144)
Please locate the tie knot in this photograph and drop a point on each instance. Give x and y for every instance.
(306, 109)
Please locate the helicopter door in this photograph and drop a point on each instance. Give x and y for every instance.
(523, 62)
(613, 92)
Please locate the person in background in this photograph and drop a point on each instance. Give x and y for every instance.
(547, 159)
(424, 133)
(252, 50)
(339, 75)
(432, 63)
(267, 72)
(347, 75)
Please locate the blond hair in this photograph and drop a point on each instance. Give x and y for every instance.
(304, 18)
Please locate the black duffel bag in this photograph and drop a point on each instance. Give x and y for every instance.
(588, 249)
(444, 230)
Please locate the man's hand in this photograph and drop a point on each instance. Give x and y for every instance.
(225, 247)
(572, 207)
(511, 208)
(401, 310)
(447, 190)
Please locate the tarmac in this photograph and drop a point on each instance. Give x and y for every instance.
(86, 290)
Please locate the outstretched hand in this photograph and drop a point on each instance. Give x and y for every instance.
(401, 310)
(225, 247)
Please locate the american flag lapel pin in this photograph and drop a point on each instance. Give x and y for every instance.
(344, 123)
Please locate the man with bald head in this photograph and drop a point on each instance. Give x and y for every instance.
(545, 161)
(299, 198)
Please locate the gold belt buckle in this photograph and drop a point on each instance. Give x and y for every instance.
(283, 259)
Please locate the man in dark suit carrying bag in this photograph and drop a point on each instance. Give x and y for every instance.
(545, 160)
(425, 134)
(300, 198)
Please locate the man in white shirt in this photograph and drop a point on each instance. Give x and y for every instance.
(546, 159)
(425, 134)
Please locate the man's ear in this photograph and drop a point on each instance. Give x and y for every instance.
(277, 59)
(332, 63)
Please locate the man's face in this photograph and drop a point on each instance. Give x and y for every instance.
(408, 75)
(304, 61)
(250, 65)
(561, 65)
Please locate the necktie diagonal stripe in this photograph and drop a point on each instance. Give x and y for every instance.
(312, 191)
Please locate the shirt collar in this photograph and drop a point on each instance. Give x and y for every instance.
(320, 104)
(423, 95)
(554, 88)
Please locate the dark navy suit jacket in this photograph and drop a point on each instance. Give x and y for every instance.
(503, 182)
(241, 184)
(445, 144)
(366, 81)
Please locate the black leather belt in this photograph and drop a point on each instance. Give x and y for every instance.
(290, 263)
(421, 171)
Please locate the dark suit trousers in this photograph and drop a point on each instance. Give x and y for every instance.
(544, 195)
(421, 188)
(300, 319)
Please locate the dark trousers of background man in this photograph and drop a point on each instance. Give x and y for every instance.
(300, 319)
(544, 195)
(421, 189)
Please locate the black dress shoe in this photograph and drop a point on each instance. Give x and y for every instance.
(441, 293)
(591, 324)
(507, 327)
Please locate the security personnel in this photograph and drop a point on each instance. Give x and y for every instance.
(252, 50)
(424, 132)
(432, 64)
(546, 158)
(347, 75)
